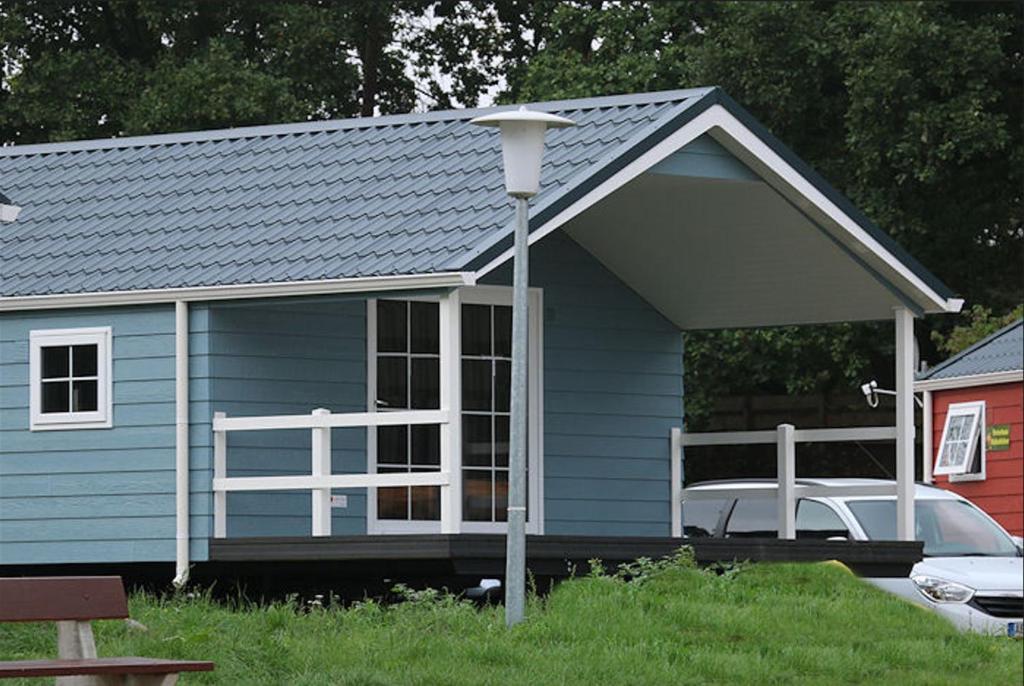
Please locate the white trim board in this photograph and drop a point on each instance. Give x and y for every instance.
(969, 381)
(749, 148)
(361, 284)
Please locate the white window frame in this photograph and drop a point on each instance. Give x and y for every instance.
(471, 295)
(959, 472)
(102, 417)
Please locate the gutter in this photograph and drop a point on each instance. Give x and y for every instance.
(359, 284)
(181, 452)
(985, 379)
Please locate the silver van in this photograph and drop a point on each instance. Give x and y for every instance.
(972, 572)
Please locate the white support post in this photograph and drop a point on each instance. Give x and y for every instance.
(676, 477)
(786, 455)
(181, 447)
(321, 497)
(905, 530)
(451, 403)
(220, 471)
(927, 459)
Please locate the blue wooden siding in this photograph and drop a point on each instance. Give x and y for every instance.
(613, 389)
(97, 494)
(705, 157)
(281, 358)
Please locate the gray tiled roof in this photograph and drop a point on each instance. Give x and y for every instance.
(410, 194)
(1003, 351)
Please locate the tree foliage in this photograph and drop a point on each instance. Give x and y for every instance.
(912, 109)
(96, 68)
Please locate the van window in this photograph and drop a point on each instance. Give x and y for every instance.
(701, 517)
(817, 520)
(753, 518)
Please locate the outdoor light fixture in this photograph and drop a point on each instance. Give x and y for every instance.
(522, 146)
(8, 211)
(871, 392)
(522, 149)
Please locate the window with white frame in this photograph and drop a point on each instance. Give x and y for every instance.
(486, 383)
(961, 451)
(405, 342)
(408, 378)
(70, 376)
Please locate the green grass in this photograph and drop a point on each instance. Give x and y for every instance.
(786, 623)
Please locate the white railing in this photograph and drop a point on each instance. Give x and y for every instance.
(786, 490)
(320, 480)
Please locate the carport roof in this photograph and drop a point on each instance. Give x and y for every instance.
(156, 218)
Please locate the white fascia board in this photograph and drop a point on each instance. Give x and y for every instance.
(969, 381)
(366, 284)
(9, 213)
(729, 130)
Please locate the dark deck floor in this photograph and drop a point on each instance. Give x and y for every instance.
(556, 556)
(355, 567)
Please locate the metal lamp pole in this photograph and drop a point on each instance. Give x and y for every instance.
(522, 147)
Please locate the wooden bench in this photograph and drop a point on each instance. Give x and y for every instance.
(73, 602)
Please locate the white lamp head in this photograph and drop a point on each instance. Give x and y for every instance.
(522, 145)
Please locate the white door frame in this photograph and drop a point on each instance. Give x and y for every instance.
(451, 439)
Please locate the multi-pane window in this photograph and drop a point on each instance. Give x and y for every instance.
(405, 365)
(70, 372)
(408, 367)
(486, 383)
(960, 446)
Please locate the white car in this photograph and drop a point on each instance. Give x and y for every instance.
(972, 572)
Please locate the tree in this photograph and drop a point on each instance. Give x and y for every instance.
(912, 109)
(98, 68)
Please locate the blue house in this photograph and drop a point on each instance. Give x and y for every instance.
(299, 334)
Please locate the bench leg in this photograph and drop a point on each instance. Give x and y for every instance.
(75, 642)
(151, 680)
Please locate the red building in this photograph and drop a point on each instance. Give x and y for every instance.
(974, 425)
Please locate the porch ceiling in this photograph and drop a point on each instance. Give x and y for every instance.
(722, 253)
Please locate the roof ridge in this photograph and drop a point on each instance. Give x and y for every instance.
(316, 126)
(971, 349)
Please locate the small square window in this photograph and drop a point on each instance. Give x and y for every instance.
(960, 449)
(71, 380)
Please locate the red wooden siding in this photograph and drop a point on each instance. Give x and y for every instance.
(1001, 494)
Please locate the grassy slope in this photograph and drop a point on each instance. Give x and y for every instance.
(763, 624)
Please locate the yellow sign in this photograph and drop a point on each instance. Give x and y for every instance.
(997, 437)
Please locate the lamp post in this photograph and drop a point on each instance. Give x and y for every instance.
(522, 149)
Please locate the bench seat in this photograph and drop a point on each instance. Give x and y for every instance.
(103, 666)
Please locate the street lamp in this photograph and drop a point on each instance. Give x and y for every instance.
(522, 148)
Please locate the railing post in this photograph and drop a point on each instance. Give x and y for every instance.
(321, 497)
(676, 476)
(786, 454)
(220, 471)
